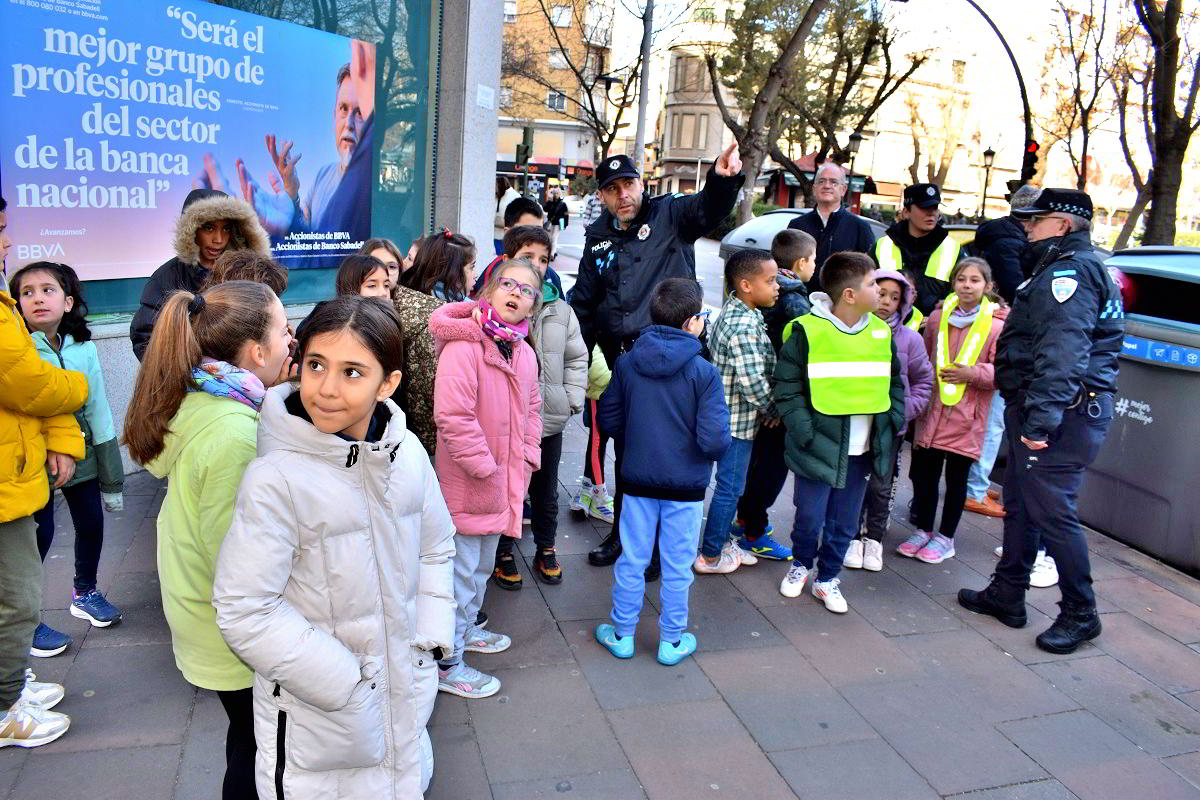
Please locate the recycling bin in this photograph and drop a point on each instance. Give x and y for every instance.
(1144, 487)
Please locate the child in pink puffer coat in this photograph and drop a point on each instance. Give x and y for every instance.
(487, 408)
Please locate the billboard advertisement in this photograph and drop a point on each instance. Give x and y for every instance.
(115, 109)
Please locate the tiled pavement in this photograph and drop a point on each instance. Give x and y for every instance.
(907, 696)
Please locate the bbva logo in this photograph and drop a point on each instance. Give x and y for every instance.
(40, 252)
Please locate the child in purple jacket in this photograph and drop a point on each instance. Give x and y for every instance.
(896, 296)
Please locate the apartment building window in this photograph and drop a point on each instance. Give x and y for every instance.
(560, 16)
(506, 97)
(558, 59)
(510, 10)
(708, 15)
(701, 140)
(556, 101)
(959, 69)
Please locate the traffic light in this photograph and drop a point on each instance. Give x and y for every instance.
(525, 148)
(1029, 165)
(1012, 185)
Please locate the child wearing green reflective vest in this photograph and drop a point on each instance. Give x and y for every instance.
(839, 392)
(960, 338)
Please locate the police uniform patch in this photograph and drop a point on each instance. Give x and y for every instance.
(643, 233)
(614, 164)
(1063, 288)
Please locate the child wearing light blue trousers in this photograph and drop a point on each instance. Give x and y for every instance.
(666, 407)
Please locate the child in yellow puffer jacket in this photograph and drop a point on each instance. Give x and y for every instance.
(593, 499)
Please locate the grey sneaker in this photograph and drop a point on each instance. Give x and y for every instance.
(479, 640)
(467, 682)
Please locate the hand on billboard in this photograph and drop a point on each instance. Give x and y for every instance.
(728, 163)
(211, 176)
(275, 211)
(362, 72)
(285, 164)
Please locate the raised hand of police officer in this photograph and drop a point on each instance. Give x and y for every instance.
(728, 163)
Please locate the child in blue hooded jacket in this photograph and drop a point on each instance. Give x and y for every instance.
(680, 410)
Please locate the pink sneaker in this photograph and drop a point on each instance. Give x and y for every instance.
(937, 550)
(913, 544)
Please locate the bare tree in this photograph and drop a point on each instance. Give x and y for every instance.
(786, 24)
(1131, 84)
(571, 59)
(1170, 114)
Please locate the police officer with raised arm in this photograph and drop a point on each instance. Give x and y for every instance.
(1056, 365)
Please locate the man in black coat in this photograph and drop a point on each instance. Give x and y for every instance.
(1001, 243)
(835, 228)
(637, 242)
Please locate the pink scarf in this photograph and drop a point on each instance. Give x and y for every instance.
(497, 328)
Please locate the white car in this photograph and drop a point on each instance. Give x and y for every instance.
(760, 231)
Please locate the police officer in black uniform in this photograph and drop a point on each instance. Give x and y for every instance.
(637, 242)
(1056, 365)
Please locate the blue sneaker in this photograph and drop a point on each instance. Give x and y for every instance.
(766, 547)
(738, 528)
(671, 654)
(48, 642)
(607, 635)
(95, 608)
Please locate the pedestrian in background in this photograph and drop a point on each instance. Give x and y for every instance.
(835, 229)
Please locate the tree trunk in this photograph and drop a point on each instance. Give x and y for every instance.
(752, 162)
(1164, 196)
(1135, 213)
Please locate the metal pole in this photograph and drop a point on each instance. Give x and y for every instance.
(987, 177)
(639, 141)
(699, 166)
(1016, 69)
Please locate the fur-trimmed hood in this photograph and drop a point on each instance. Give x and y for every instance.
(249, 235)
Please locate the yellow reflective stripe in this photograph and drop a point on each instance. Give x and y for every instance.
(914, 321)
(968, 352)
(849, 369)
(887, 254)
(942, 260)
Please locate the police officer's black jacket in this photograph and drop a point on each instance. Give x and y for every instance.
(1063, 335)
(620, 268)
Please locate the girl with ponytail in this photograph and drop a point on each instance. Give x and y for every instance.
(193, 419)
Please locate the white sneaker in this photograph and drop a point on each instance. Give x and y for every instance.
(42, 695)
(27, 725)
(727, 563)
(478, 640)
(854, 555)
(600, 504)
(793, 582)
(1044, 573)
(872, 555)
(829, 593)
(745, 557)
(579, 502)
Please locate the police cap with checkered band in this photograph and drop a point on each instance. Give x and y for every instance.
(615, 167)
(1060, 201)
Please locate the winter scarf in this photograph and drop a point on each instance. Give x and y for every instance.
(222, 379)
(497, 328)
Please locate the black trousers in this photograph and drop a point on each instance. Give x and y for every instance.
(880, 499)
(927, 463)
(240, 749)
(1041, 488)
(597, 445)
(543, 498)
(87, 515)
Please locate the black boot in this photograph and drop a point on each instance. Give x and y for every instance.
(991, 600)
(654, 570)
(1073, 627)
(608, 552)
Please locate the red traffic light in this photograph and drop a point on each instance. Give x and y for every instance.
(1031, 146)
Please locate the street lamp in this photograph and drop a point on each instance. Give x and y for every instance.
(989, 156)
(855, 143)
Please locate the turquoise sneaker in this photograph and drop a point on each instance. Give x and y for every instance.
(671, 654)
(765, 546)
(607, 635)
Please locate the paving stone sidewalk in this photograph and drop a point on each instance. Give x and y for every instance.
(905, 697)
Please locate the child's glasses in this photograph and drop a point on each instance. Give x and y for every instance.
(508, 285)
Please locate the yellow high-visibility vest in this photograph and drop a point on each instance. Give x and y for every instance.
(968, 352)
(848, 373)
(914, 321)
(941, 260)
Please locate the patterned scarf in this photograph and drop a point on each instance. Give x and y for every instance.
(497, 328)
(222, 379)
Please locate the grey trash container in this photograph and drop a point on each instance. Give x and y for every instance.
(1144, 488)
